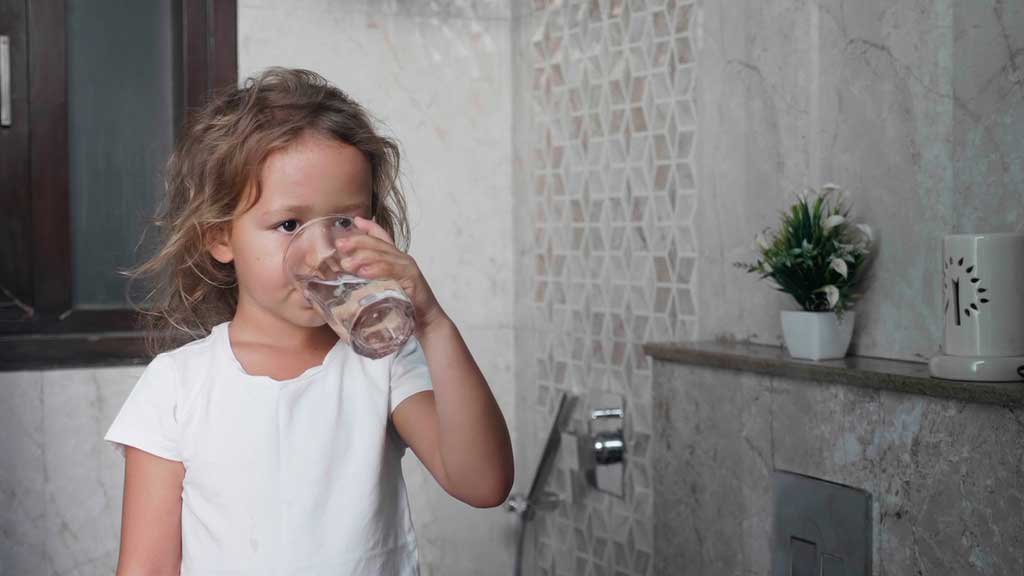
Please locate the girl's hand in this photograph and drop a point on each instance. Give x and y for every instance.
(374, 256)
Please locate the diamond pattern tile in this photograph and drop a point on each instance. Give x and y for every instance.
(613, 195)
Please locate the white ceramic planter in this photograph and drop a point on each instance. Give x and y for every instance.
(816, 335)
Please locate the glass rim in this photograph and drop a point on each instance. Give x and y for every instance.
(319, 219)
(308, 225)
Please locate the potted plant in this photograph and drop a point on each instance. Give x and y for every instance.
(818, 256)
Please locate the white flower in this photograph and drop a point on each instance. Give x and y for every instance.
(762, 242)
(839, 265)
(866, 231)
(767, 267)
(832, 221)
(832, 294)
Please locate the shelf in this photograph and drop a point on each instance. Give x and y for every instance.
(880, 373)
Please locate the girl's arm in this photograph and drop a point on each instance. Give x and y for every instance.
(150, 515)
(457, 431)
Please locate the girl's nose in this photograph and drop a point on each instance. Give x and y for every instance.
(322, 254)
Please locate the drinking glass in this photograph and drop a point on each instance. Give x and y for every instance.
(374, 317)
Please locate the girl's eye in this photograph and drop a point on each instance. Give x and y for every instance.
(288, 225)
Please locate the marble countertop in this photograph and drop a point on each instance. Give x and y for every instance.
(895, 375)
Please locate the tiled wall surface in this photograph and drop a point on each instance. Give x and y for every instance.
(605, 189)
(945, 477)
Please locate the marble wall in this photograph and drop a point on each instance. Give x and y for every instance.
(915, 106)
(946, 477)
(60, 484)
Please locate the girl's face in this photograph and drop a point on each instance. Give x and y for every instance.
(314, 176)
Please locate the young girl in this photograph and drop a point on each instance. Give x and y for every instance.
(265, 445)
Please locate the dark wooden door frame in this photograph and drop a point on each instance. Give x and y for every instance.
(53, 333)
(15, 197)
(48, 157)
(209, 48)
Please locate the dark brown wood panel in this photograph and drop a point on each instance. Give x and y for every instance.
(209, 48)
(15, 196)
(33, 352)
(39, 265)
(48, 156)
(84, 321)
(195, 52)
(224, 44)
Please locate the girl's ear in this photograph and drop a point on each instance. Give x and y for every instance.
(219, 244)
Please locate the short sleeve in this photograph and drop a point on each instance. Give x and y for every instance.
(148, 419)
(409, 373)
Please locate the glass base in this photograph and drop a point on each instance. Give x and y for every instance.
(375, 318)
(383, 327)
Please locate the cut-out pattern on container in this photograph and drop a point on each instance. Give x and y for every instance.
(963, 293)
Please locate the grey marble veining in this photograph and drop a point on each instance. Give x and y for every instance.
(915, 106)
(988, 115)
(60, 484)
(829, 432)
(84, 474)
(712, 454)
(22, 475)
(426, 9)
(946, 477)
(951, 487)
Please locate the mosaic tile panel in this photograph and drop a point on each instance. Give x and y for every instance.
(612, 195)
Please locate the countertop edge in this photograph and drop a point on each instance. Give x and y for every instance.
(866, 372)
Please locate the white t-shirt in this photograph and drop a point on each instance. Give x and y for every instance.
(292, 477)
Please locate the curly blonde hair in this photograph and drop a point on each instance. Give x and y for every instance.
(220, 155)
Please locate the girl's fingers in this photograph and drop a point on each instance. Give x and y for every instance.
(373, 229)
(383, 269)
(365, 253)
(365, 257)
(374, 271)
(364, 241)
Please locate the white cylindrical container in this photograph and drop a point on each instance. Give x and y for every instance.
(983, 303)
